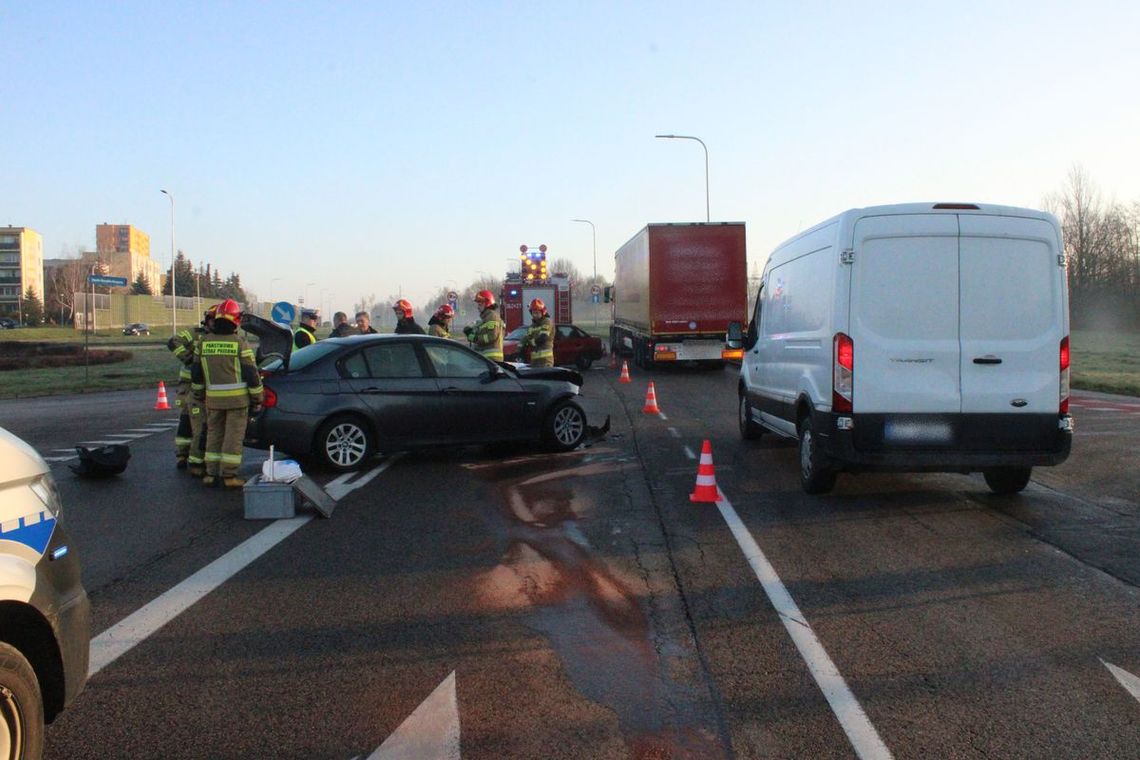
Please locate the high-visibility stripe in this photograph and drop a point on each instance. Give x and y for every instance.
(215, 394)
(213, 457)
(225, 387)
(231, 458)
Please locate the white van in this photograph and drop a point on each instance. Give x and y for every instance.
(914, 337)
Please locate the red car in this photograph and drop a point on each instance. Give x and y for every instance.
(572, 346)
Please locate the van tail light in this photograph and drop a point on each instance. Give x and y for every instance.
(269, 398)
(843, 374)
(1064, 408)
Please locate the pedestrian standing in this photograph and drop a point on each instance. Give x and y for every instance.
(405, 323)
(364, 324)
(540, 336)
(197, 457)
(440, 323)
(231, 388)
(306, 334)
(341, 326)
(487, 335)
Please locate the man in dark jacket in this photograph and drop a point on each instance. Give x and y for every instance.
(341, 326)
(405, 322)
(306, 334)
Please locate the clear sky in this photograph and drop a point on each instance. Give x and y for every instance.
(388, 147)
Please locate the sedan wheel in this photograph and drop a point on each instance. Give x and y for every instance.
(21, 706)
(344, 443)
(565, 426)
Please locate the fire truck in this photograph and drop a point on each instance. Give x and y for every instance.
(533, 280)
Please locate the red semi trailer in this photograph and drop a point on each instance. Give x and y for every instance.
(676, 288)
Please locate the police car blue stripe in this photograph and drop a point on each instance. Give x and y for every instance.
(34, 531)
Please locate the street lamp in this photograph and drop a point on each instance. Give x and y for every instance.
(594, 237)
(173, 289)
(708, 216)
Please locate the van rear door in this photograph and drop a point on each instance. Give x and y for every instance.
(1012, 314)
(904, 314)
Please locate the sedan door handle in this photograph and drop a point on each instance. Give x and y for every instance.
(987, 359)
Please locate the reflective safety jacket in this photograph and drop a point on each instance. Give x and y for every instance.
(488, 335)
(225, 374)
(304, 336)
(540, 339)
(181, 344)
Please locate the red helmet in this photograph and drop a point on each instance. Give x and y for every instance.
(537, 305)
(212, 311)
(487, 297)
(230, 310)
(445, 311)
(405, 306)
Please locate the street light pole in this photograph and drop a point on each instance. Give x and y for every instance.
(594, 238)
(708, 216)
(173, 289)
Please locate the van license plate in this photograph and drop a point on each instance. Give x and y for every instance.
(907, 431)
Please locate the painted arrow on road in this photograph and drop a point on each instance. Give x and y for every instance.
(1130, 682)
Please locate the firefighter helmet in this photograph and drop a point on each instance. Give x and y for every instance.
(445, 311)
(404, 306)
(230, 310)
(212, 312)
(537, 305)
(487, 297)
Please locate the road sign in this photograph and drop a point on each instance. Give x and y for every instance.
(452, 296)
(106, 281)
(283, 312)
(595, 290)
(595, 297)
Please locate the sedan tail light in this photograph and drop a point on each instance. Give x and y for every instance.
(269, 400)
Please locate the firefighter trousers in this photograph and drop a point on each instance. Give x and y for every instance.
(225, 431)
(197, 451)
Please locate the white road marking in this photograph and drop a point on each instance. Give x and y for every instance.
(863, 736)
(689, 453)
(72, 450)
(1130, 682)
(120, 638)
(662, 415)
(674, 432)
(338, 488)
(431, 731)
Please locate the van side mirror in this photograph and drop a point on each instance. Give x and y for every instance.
(734, 338)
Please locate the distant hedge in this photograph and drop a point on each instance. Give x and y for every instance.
(29, 355)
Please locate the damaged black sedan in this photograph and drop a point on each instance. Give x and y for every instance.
(343, 400)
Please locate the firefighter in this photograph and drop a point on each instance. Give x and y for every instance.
(231, 390)
(196, 458)
(181, 344)
(405, 323)
(487, 335)
(539, 336)
(440, 323)
(306, 334)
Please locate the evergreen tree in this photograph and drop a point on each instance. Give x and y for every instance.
(183, 279)
(141, 286)
(33, 309)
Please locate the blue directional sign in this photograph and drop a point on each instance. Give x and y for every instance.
(283, 312)
(105, 281)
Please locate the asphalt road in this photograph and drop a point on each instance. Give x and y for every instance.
(579, 605)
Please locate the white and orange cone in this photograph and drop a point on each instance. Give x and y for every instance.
(161, 403)
(651, 401)
(706, 490)
(624, 373)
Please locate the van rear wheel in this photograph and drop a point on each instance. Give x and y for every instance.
(816, 473)
(749, 430)
(1007, 480)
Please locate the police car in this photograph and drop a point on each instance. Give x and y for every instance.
(44, 611)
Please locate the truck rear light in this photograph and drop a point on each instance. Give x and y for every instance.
(1064, 406)
(843, 373)
(269, 398)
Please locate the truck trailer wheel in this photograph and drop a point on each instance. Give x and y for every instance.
(816, 473)
(1007, 480)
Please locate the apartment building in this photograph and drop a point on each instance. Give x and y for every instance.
(21, 266)
(125, 251)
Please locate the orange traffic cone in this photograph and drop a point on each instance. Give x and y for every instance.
(706, 490)
(651, 401)
(162, 402)
(624, 373)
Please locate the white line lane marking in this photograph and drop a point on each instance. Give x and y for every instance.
(662, 415)
(1130, 682)
(689, 453)
(431, 731)
(120, 638)
(863, 736)
(674, 432)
